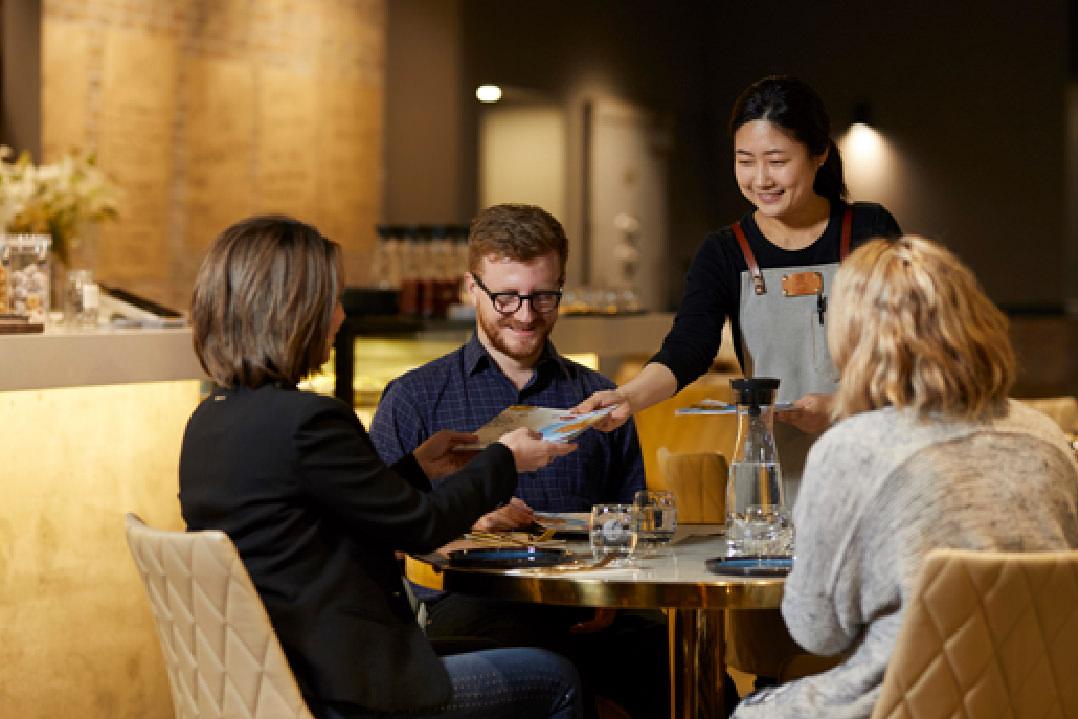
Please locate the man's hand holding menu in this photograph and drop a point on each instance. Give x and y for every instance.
(554, 424)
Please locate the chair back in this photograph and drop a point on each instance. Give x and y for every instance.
(222, 655)
(987, 634)
(698, 481)
(1063, 410)
(658, 426)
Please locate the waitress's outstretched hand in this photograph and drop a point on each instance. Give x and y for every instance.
(811, 413)
(606, 398)
(530, 451)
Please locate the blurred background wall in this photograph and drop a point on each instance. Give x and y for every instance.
(347, 112)
(971, 137)
(968, 100)
(205, 111)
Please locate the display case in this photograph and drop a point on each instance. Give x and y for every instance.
(370, 351)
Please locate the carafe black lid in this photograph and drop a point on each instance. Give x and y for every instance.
(755, 391)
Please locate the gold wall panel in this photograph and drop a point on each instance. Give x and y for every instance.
(220, 97)
(288, 173)
(206, 111)
(76, 633)
(65, 95)
(135, 146)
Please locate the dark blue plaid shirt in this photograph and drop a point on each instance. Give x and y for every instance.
(465, 389)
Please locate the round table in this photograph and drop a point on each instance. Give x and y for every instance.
(677, 580)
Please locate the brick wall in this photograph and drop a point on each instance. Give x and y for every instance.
(206, 111)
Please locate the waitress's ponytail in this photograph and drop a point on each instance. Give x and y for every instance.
(829, 181)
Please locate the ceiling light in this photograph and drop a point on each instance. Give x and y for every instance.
(488, 93)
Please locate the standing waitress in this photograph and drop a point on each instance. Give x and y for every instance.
(770, 272)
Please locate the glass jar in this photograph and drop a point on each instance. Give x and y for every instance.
(24, 259)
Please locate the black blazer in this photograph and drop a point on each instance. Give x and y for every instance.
(293, 479)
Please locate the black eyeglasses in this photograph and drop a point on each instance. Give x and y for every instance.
(508, 303)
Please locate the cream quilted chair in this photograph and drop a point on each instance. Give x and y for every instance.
(658, 426)
(987, 634)
(222, 656)
(1063, 410)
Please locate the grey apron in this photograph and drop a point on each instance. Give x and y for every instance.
(786, 337)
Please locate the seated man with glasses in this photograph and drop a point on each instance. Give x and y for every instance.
(517, 256)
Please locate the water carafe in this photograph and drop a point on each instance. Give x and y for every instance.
(756, 518)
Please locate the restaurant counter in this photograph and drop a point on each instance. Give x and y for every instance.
(92, 427)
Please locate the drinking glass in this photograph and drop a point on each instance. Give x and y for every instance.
(656, 520)
(612, 530)
(80, 299)
(761, 530)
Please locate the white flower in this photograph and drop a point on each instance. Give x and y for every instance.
(56, 198)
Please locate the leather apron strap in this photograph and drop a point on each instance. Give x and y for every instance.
(845, 239)
(750, 259)
(847, 234)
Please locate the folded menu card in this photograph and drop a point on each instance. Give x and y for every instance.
(564, 523)
(556, 425)
(714, 406)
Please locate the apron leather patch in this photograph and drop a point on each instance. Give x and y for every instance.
(802, 283)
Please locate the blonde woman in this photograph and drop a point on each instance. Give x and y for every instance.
(926, 451)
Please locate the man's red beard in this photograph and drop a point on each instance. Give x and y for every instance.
(492, 329)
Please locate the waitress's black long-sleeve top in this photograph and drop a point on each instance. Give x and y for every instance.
(713, 287)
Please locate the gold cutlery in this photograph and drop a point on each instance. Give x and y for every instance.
(506, 538)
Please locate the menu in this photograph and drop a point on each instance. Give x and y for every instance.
(714, 406)
(556, 425)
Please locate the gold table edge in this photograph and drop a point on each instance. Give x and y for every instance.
(591, 591)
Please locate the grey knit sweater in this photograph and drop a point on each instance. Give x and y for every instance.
(880, 490)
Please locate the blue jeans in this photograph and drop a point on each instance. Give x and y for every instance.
(519, 683)
(626, 662)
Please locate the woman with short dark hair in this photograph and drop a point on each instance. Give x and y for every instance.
(294, 481)
(264, 302)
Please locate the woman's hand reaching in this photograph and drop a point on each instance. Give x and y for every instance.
(436, 456)
(606, 398)
(811, 413)
(530, 451)
(653, 384)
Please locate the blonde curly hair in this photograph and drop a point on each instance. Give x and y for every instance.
(910, 327)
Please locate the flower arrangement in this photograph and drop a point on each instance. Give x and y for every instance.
(58, 198)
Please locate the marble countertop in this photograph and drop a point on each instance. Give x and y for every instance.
(61, 357)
